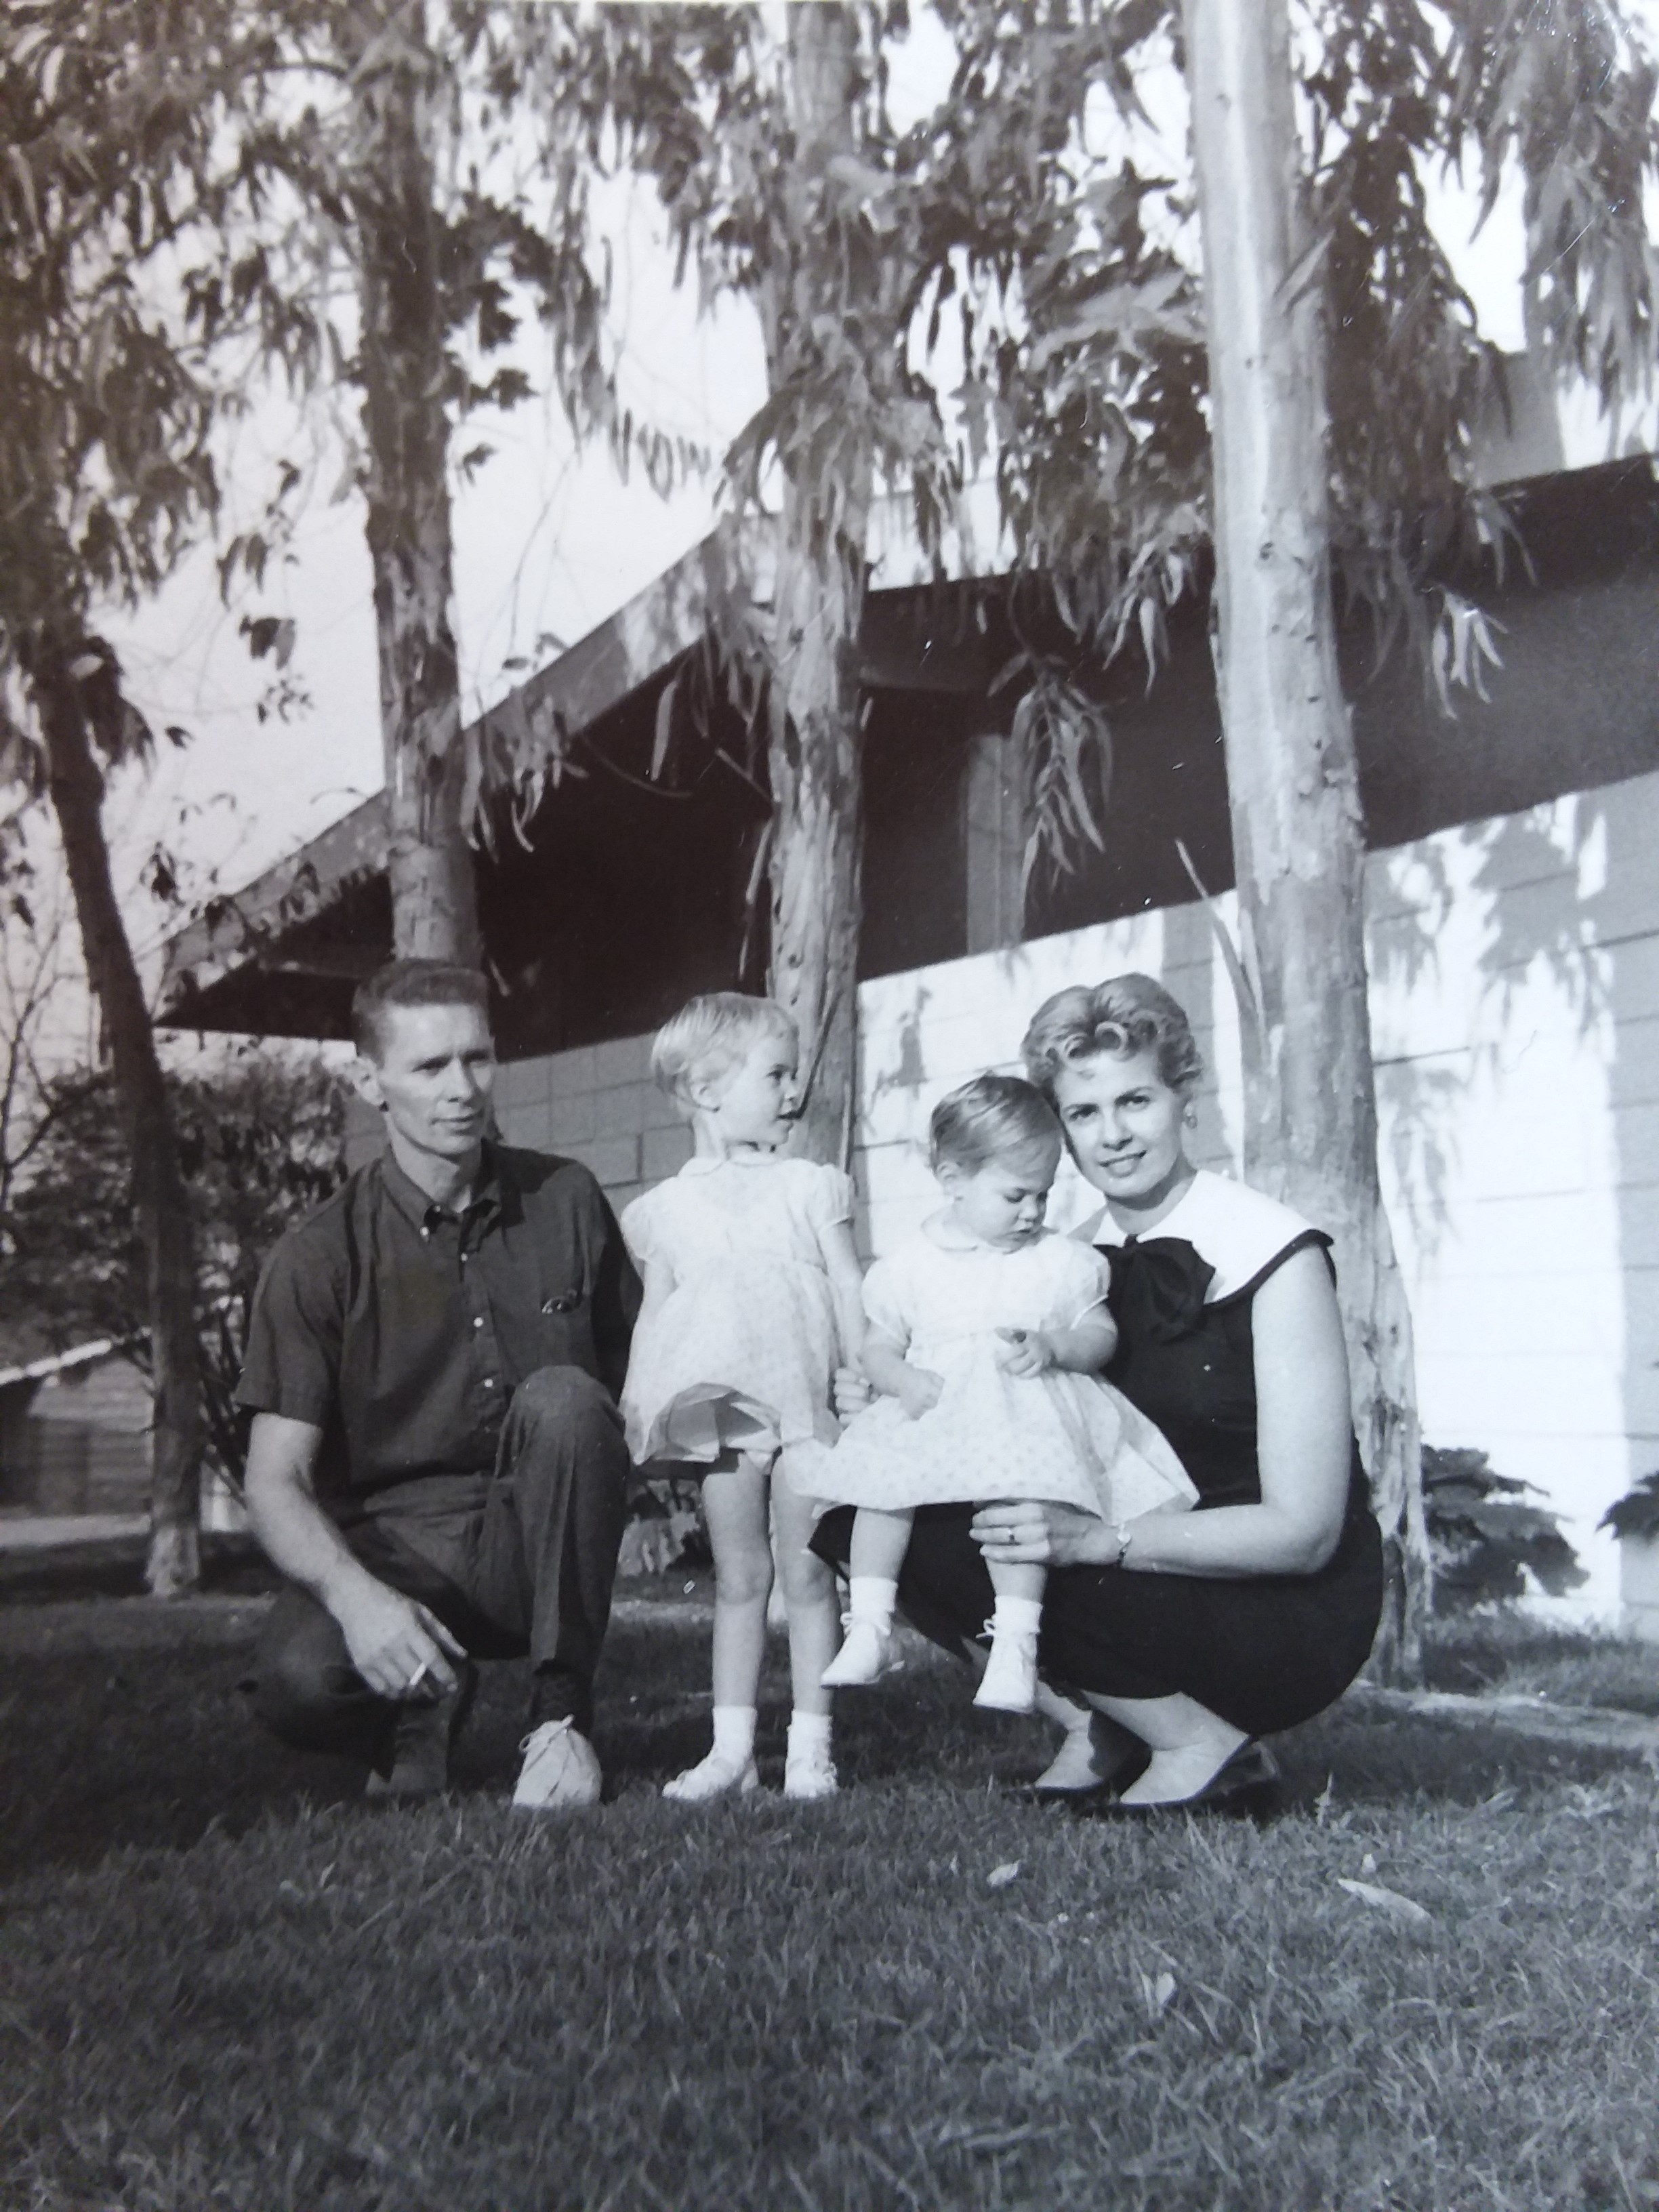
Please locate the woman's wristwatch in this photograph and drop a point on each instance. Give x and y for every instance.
(1123, 1533)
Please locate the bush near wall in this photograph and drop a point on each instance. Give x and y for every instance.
(1637, 1513)
(1490, 1545)
(665, 1527)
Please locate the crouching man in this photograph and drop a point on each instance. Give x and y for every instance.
(436, 1461)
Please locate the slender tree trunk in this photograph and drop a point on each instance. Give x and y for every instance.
(160, 1198)
(1298, 833)
(404, 372)
(815, 739)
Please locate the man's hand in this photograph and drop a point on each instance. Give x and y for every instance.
(918, 1390)
(399, 1649)
(1024, 1351)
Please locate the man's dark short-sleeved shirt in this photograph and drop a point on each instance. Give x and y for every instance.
(401, 1330)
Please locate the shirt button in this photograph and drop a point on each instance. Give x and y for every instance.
(425, 1233)
(490, 1382)
(477, 1320)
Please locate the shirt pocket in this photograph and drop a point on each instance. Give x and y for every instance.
(565, 1327)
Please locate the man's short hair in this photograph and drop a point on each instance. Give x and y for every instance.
(411, 983)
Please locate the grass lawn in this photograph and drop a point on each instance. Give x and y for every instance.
(225, 1983)
(1517, 1655)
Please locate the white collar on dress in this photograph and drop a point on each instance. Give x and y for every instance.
(931, 1232)
(1238, 1229)
(702, 1163)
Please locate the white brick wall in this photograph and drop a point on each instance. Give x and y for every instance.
(596, 1104)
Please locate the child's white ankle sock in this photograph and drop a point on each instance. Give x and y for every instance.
(872, 1598)
(1021, 1615)
(734, 1733)
(808, 1732)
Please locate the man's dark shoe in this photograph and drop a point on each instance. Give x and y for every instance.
(422, 1735)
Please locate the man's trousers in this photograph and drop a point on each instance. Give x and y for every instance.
(525, 1565)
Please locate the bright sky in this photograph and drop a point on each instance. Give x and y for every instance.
(547, 543)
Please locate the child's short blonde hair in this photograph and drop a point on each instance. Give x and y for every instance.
(988, 1118)
(711, 1034)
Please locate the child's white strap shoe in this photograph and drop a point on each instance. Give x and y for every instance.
(866, 1657)
(808, 1774)
(1009, 1683)
(714, 1776)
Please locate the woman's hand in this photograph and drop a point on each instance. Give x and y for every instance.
(1024, 1351)
(1039, 1533)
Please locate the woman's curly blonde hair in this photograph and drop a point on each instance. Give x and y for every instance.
(1128, 1015)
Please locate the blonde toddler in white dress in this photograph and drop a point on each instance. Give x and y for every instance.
(987, 1331)
(752, 1293)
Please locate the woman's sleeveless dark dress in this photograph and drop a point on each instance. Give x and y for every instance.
(1265, 1651)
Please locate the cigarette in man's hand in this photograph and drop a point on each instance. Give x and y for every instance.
(417, 1677)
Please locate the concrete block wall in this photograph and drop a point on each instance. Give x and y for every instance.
(598, 1105)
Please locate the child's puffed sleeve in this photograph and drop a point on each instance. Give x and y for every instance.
(639, 1231)
(1082, 1277)
(884, 1301)
(830, 1198)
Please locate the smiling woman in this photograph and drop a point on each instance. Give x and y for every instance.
(1171, 1640)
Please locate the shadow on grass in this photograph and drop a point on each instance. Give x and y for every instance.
(1511, 1651)
(155, 1752)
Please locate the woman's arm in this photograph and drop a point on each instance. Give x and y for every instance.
(1303, 1443)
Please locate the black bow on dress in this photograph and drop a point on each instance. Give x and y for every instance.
(1157, 1288)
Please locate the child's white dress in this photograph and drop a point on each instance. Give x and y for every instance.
(1067, 1437)
(740, 1354)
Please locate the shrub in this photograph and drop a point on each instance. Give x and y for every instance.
(1489, 1544)
(665, 1526)
(1637, 1513)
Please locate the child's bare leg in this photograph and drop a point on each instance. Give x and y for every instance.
(734, 1503)
(1009, 1683)
(880, 1539)
(1019, 1578)
(809, 1586)
(809, 1589)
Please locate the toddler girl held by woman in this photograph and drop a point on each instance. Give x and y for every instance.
(987, 1330)
(750, 1282)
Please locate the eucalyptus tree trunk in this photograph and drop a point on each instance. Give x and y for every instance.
(1298, 833)
(404, 372)
(815, 742)
(159, 1200)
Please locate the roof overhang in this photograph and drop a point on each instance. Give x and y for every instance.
(270, 941)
